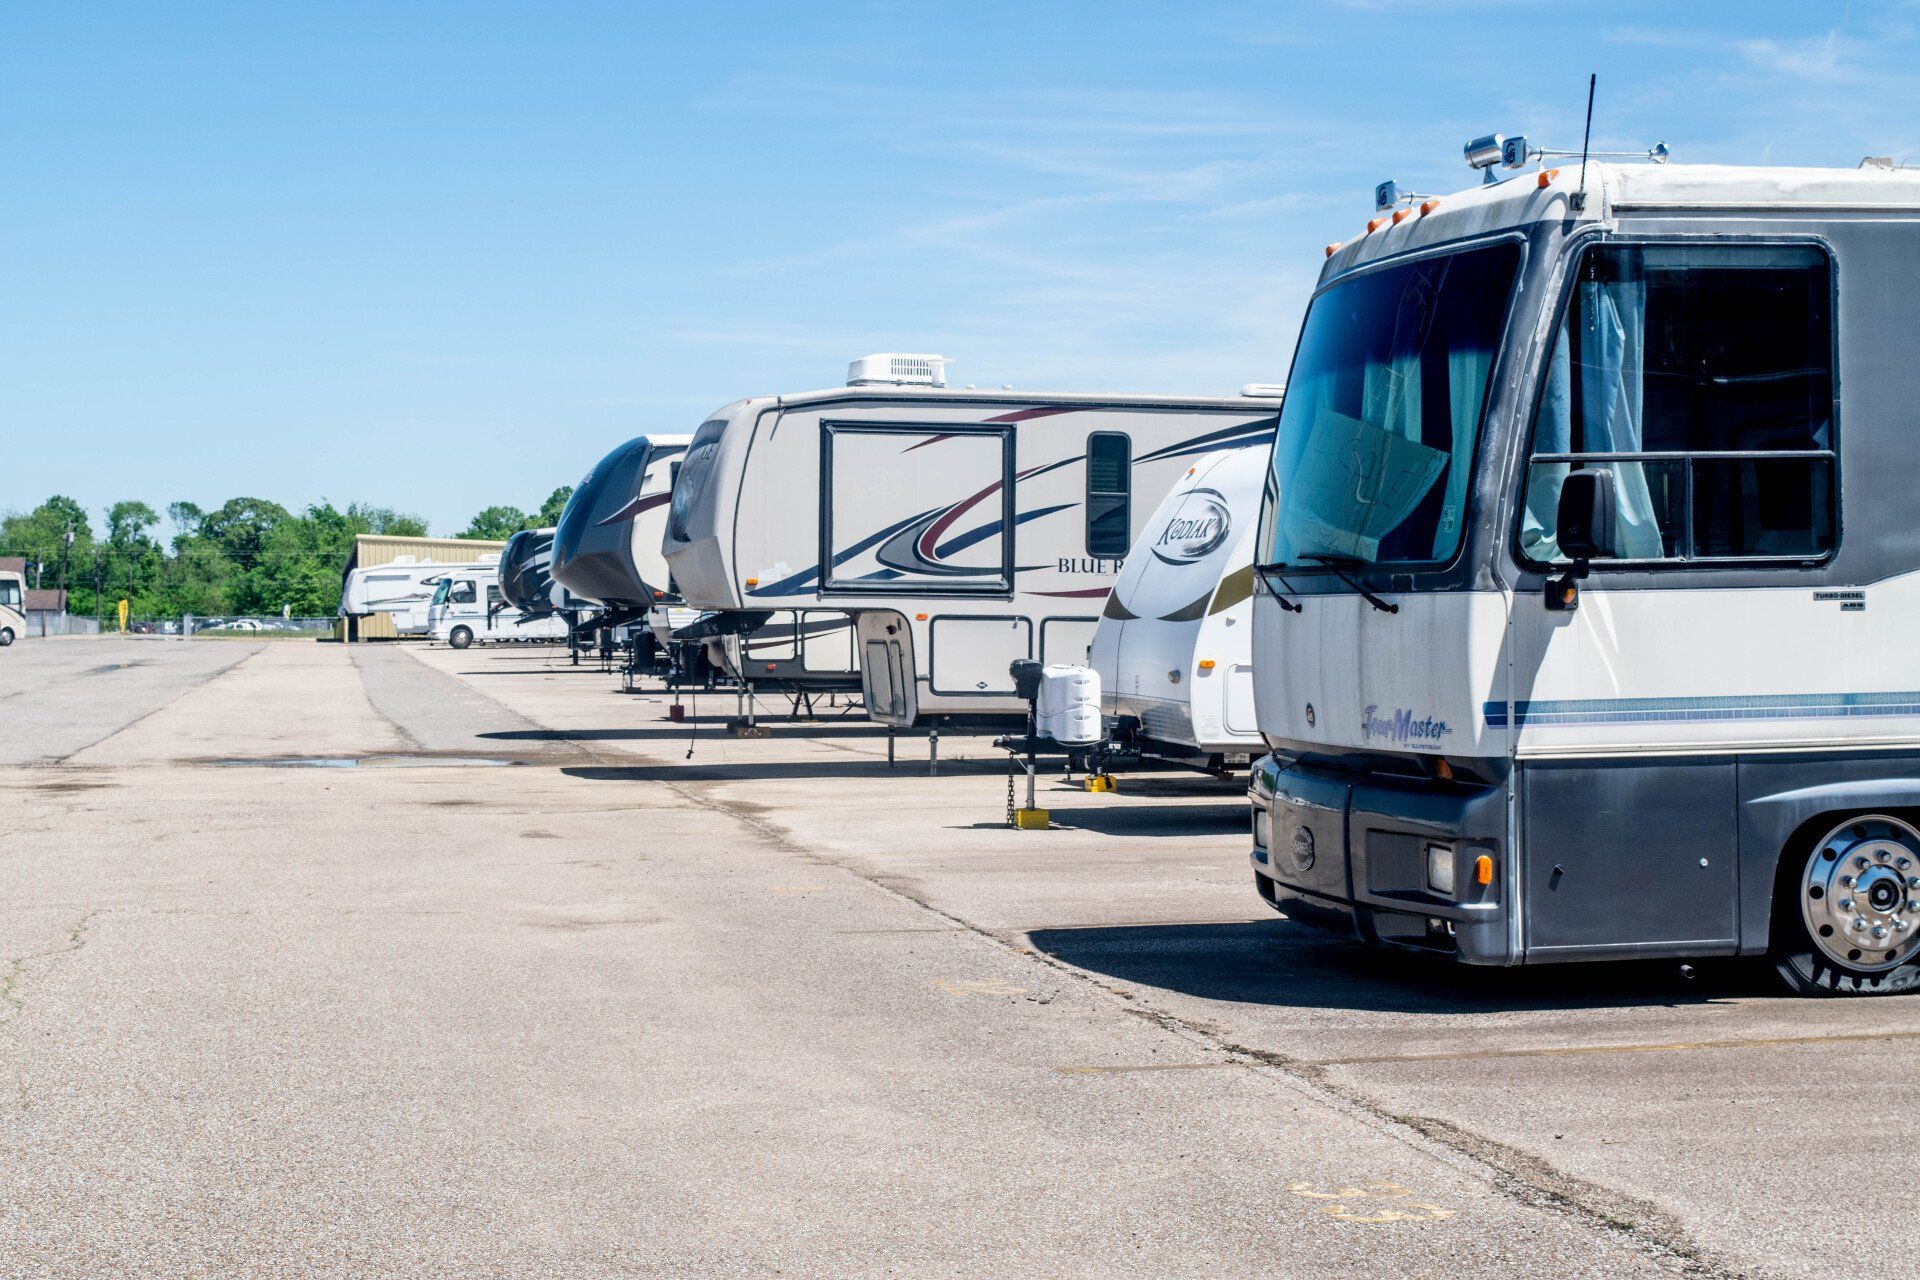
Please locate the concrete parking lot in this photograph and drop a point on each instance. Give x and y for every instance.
(396, 960)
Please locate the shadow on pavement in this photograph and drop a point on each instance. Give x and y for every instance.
(707, 727)
(759, 771)
(1284, 963)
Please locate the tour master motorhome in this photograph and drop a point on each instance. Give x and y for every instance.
(963, 529)
(403, 589)
(13, 606)
(1589, 562)
(467, 606)
(1174, 648)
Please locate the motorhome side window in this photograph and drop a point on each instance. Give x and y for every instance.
(1701, 377)
(462, 593)
(10, 594)
(1109, 495)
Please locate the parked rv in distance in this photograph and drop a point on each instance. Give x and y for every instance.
(13, 606)
(962, 529)
(1562, 630)
(467, 606)
(403, 588)
(1174, 648)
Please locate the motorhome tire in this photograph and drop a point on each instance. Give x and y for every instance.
(460, 637)
(1846, 909)
(6, 636)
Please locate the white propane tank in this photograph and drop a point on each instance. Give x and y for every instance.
(1069, 705)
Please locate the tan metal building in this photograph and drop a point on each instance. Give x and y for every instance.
(371, 549)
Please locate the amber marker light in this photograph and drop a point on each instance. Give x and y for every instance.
(1206, 664)
(1332, 249)
(753, 582)
(919, 617)
(1483, 870)
(1401, 215)
(1428, 206)
(1547, 176)
(1374, 224)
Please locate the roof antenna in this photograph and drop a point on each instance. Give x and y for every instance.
(1578, 200)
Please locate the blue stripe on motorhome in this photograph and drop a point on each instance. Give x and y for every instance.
(1249, 433)
(1778, 706)
(1224, 438)
(961, 541)
(813, 571)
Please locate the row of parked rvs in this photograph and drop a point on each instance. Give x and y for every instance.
(1559, 623)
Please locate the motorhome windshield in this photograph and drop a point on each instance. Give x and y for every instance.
(1374, 453)
(440, 592)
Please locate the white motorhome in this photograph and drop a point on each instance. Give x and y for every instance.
(467, 606)
(1589, 572)
(1174, 648)
(13, 606)
(962, 529)
(403, 588)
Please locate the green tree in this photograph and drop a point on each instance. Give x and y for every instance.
(240, 527)
(56, 537)
(131, 562)
(186, 518)
(550, 509)
(496, 523)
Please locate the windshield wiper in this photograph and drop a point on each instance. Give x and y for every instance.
(1339, 565)
(1263, 570)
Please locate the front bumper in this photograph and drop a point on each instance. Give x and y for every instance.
(1351, 851)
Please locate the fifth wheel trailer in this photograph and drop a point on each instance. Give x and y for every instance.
(962, 529)
(1590, 571)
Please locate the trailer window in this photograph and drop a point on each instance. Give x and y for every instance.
(10, 594)
(462, 593)
(1109, 494)
(1702, 378)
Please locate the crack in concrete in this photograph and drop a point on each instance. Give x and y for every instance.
(1515, 1174)
(12, 1003)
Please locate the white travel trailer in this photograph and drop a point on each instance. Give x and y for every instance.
(963, 529)
(403, 589)
(1174, 648)
(467, 606)
(13, 606)
(1589, 572)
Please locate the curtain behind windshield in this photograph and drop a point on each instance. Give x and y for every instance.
(1373, 459)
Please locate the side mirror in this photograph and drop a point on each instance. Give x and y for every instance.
(1583, 526)
(1584, 523)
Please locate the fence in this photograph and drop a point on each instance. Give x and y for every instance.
(45, 622)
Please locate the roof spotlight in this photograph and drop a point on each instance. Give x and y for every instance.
(1484, 153)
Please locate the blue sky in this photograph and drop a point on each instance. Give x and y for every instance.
(442, 255)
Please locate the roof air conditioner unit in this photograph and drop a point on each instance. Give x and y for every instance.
(892, 369)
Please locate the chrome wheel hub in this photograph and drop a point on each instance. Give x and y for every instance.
(1860, 894)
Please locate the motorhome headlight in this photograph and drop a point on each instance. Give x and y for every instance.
(1262, 826)
(1440, 869)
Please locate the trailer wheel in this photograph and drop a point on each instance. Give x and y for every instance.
(6, 636)
(1846, 911)
(460, 637)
